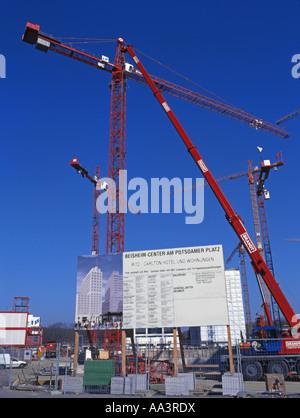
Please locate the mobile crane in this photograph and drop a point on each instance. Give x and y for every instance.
(289, 346)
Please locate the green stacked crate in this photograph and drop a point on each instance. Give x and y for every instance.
(98, 374)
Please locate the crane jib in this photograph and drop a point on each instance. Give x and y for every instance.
(43, 42)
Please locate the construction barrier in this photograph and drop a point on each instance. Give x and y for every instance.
(151, 369)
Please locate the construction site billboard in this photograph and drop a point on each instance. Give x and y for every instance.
(178, 287)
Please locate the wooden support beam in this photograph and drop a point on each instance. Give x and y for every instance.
(181, 350)
(175, 354)
(76, 353)
(230, 351)
(123, 373)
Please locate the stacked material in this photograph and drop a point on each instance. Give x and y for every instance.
(128, 385)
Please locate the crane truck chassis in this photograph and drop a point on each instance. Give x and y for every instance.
(266, 352)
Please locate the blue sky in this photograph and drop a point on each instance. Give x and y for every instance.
(54, 109)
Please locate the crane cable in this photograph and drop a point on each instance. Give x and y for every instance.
(88, 42)
(187, 79)
(85, 40)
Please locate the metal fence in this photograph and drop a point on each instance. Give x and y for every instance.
(33, 368)
(5, 371)
(151, 369)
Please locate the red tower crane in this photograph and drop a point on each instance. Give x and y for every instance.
(265, 294)
(256, 178)
(91, 333)
(120, 71)
(96, 192)
(115, 214)
(112, 337)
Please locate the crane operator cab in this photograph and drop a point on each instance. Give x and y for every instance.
(266, 339)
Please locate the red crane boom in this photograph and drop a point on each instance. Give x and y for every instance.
(234, 220)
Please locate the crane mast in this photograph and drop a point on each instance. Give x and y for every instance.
(266, 243)
(96, 216)
(234, 220)
(265, 294)
(92, 333)
(256, 179)
(115, 214)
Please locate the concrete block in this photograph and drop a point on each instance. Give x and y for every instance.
(130, 385)
(232, 384)
(176, 385)
(72, 384)
(117, 385)
(191, 380)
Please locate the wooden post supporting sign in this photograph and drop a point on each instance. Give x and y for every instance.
(175, 353)
(76, 352)
(231, 366)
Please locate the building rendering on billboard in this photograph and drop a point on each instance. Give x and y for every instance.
(98, 289)
(89, 299)
(113, 301)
